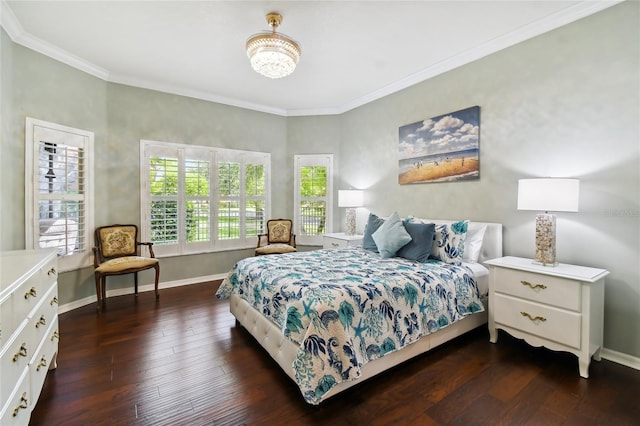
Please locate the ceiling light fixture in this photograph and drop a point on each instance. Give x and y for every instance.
(271, 54)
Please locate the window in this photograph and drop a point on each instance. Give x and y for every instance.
(59, 195)
(197, 199)
(312, 200)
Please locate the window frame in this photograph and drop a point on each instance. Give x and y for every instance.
(214, 155)
(32, 194)
(302, 160)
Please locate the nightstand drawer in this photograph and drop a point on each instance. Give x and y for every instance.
(340, 240)
(543, 321)
(335, 243)
(540, 288)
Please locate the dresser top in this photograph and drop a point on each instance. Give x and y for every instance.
(18, 265)
(564, 270)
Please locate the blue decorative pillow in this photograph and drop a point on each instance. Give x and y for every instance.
(373, 223)
(419, 247)
(448, 245)
(391, 236)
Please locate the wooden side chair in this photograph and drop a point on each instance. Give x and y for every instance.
(279, 238)
(117, 252)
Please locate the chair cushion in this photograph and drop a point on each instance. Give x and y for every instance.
(118, 241)
(125, 263)
(279, 231)
(275, 249)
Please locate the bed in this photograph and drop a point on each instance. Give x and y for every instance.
(332, 318)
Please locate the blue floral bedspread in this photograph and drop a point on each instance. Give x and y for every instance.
(345, 307)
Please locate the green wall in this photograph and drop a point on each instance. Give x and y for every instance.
(562, 104)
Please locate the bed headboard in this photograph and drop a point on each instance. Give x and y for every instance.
(492, 241)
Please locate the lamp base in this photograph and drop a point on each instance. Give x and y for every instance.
(350, 224)
(545, 240)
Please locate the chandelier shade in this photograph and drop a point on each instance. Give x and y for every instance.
(271, 54)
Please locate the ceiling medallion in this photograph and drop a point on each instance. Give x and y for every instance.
(271, 54)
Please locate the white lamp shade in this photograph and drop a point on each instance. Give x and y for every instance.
(350, 198)
(549, 194)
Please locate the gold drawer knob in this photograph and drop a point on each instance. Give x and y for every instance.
(51, 271)
(533, 286)
(41, 321)
(21, 352)
(532, 318)
(42, 363)
(54, 300)
(55, 335)
(24, 404)
(31, 293)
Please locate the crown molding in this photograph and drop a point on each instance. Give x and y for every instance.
(578, 11)
(551, 22)
(18, 35)
(192, 93)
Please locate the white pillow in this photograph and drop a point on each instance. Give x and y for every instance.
(473, 242)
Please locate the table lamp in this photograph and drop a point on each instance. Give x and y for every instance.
(547, 194)
(350, 198)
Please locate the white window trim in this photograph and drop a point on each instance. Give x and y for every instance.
(32, 228)
(215, 155)
(312, 160)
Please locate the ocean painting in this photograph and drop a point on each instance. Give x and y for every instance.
(441, 149)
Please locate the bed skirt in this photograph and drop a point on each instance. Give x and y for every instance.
(284, 351)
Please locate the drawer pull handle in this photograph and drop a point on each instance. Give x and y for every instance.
(51, 271)
(335, 244)
(31, 293)
(54, 300)
(55, 335)
(527, 283)
(24, 404)
(21, 352)
(42, 363)
(528, 315)
(41, 321)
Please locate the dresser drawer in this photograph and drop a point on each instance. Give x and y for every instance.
(7, 318)
(31, 292)
(546, 322)
(45, 313)
(42, 360)
(17, 409)
(555, 291)
(15, 357)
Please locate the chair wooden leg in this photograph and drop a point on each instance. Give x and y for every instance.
(98, 291)
(135, 283)
(103, 284)
(157, 268)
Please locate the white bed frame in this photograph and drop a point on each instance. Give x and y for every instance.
(283, 351)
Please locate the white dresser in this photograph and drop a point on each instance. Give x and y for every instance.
(28, 329)
(560, 308)
(341, 240)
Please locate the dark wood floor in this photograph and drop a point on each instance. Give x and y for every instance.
(183, 361)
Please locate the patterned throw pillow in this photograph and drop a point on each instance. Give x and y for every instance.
(391, 236)
(448, 245)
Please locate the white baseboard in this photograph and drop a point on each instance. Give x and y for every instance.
(608, 354)
(621, 358)
(129, 290)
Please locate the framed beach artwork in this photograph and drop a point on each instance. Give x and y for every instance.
(445, 148)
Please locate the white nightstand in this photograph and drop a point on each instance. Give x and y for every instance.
(560, 308)
(340, 240)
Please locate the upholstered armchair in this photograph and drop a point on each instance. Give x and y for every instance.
(279, 238)
(117, 252)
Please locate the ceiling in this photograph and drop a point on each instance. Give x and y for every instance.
(353, 52)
